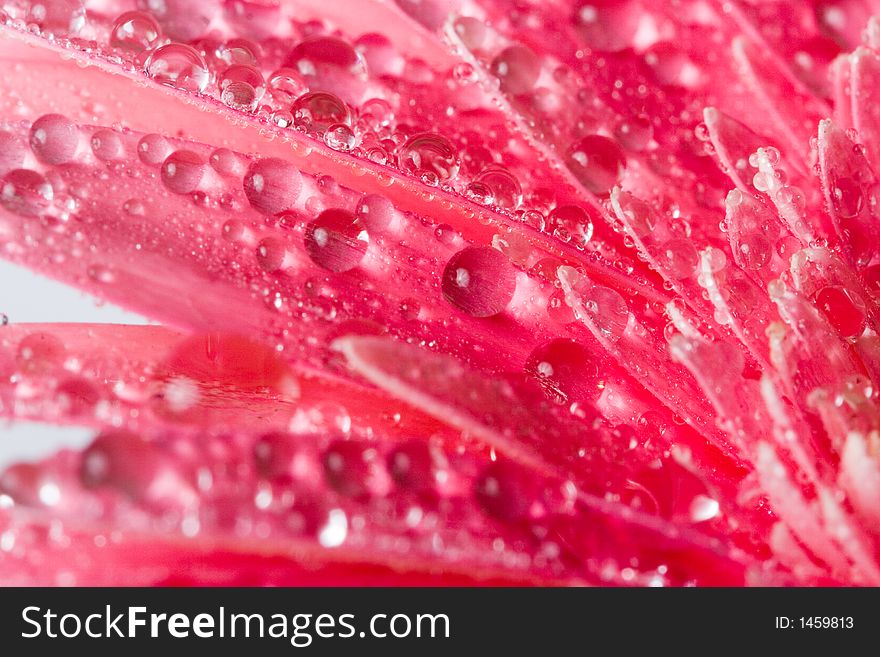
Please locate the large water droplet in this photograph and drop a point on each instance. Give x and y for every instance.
(153, 149)
(286, 85)
(136, 31)
(430, 153)
(139, 469)
(336, 240)
(26, 192)
(318, 110)
(507, 491)
(272, 185)
(375, 212)
(843, 309)
(354, 469)
(479, 280)
(183, 20)
(330, 64)
(504, 187)
(180, 66)
(597, 162)
(107, 145)
(54, 139)
(182, 172)
(565, 369)
(517, 69)
(607, 309)
(58, 15)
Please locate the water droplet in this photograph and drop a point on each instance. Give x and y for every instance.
(58, 15)
(679, 258)
(377, 114)
(182, 172)
(139, 469)
(340, 137)
(517, 69)
(607, 310)
(335, 531)
(575, 221)
(26, 193)
(39, 353)
(847, 197)
(54, 139)
(180, 66)
(241, 87)
(429, 152)
(318, 110)
(107, 145)
(597, 162)
(507, 491)
(183, 20)
(226, 162)
(565, 369)
(755, 250)
(415, 466)
(843, 309)
(271, 254)
(330, 64)
(375, 212)
(609, 25)
(272, 185)
(336, 240)
(286, 85)
(153, 149)
(479, 280)
(135, 31)
(354, 469)
(504, 188)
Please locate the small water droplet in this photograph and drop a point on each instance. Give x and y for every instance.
(180, 66)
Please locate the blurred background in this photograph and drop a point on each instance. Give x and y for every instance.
(29, 297)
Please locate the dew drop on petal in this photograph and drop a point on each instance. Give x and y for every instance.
(107, 145)
(271, 253)
(479, 281)
(843, 309)
(597, 162)
(318, 110)
(26, 192)
(336, 240)
(54, 139)
(375, 212)
(135, 31)
(182, 172)
(430, 153)
(607, 309)
(517, 69)
(565, 369)
(505, 189)
(272, 185)
(180, 66)
(64, 16)
(340, 137)
(152, 149)
(286, 85)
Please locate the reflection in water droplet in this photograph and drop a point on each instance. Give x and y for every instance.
(430, 153)
(182, 172)
(54, 139)
(597, 162)
(272, 185)
(517, 69)
(336, 240)
(135, 31)
(26, 192)
(180, 66)
(318, 110)
(479, 280)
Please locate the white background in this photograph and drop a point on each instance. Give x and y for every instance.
(28, 297)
